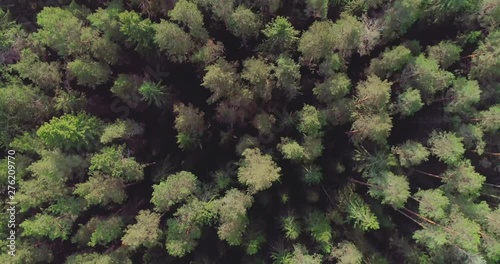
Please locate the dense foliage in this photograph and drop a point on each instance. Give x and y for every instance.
(250, 131)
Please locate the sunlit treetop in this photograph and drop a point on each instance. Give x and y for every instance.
(447, 147)
(280, 35)
(258, 171)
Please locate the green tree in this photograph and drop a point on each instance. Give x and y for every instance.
(99, 231)
(244, 23)
(347, 253)
(189, 124)
(426, 76)
(317, 8)
(359, 212)
(264, 123)
(317, 42)
(463, 95)
(69, 101)
(488, 119)
(220, 78)
(311, 122)
(376, 127)
(290, 226)
(411, 153)
(88, 72)
(232, 209)
(280, 35)
(258, 171)
(291, 149)
(463, 178)
(60, 30)
(472, 137)
(300, 255)
(188, 14)
(335, 87)
(319, 228)
(121, 129)
(145, 232)
(399, 17)
(101, 190)
(287, 75)
(43, 225)
(409, 102)
(391, 61)
(446, 146)
(390, 188)
(139, 32)
(107, 20)
(445, 53)
(45, 75)
(311, 174)
(154, 93)
(209, 53)
(432, 203)
(176, 188)
(373, 95)
(258, 74)
(173, 41)
(126, 87)
(113, 162)
(71, 131)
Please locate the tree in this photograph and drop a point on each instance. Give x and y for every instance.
(126, 87)
(375, 127)
(258, 171)
(60, 30)
(88, 72)
(335, 87)
(188, 14)
(209, 53)
(319, 228)
(45, 75)
(280, 35)
(390, 188)
(69, 101)
(347, 253)
(145, 232)
(488, 119)
(264, 123)
(360, 213)
(291, 149)
(99, 231)
(287, 75)
(399, 17)
(107, 21)
(446, 146)
(432, 203)
(121, 129)
(311, 121)
(154, 93)
(232, 211)
(244, 23)
(173, 41)
(290, 226)
(409, 102)
(317, 8)
(258, 74)
(317, 42)
(189, 124)
(391, 61)
(463, 95)
(372, 95)
(445, 53)
(43, 225)
(181, 237)
(101, 190)
(112, 161)
(426, 76)
(220, 78)
(300, 255)
(472, 137)
(176, 188)
(411, 153)
(221, 10)
(463, 178)
(71, 132)
(489, 14)
(311, 174)
(139, 32)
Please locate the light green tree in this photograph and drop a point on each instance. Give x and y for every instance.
(432, 203)
(317, 8)
(258, 74)
(112, 161)
(154, 94)
(335, 87)
(409, 102)
(446, 146)
(45, 75)
(445, 53)
(126, 87)
(392, 189)
(311, 121)
(392, 60)
(121, 129)
(89, 72)
(463, 95)
(280, 35)
(101, 190)
(258, 171)
(244, 23)
(463, 178)
(145, 232)
(188, 14)
(176, 188)
(173, 41)
(139, 32)
(189, 123)
(232, 209)
(347, 253)
(411, 153)
(291, 149)
(287, 75)
(318, 226)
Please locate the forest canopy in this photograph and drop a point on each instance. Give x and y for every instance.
(250, 131)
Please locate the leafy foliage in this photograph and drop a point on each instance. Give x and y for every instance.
(258, 171)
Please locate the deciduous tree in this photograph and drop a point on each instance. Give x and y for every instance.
(258, 171)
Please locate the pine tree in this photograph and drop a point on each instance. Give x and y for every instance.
(258, 171)
(176, 188)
